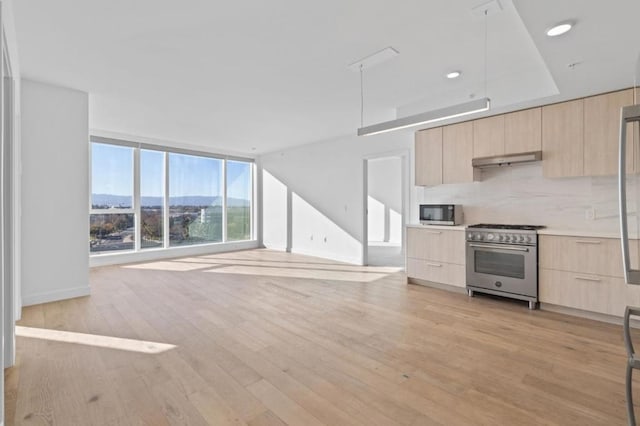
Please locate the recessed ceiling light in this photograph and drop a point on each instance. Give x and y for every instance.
(559, 29)
(453, 74)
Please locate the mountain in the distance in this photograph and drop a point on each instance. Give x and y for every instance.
(187, 200)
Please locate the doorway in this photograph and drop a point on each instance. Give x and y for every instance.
(385, 198)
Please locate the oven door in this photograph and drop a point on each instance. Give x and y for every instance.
(504, 268)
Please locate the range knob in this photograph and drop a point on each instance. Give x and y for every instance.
(490, 237)
(521, 238)
(528, 239)
(479, 237)
(507, 238)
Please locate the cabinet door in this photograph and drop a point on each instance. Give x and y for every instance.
(563, 139)
(523, 131)
(438, 272)
(416, 244)
(457, 152)
(488, 136)
(601, 133)
(436, 244)
(600, 256)
(428, 152)
(595, 293)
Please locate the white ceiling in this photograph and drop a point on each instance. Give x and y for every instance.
(273, 74)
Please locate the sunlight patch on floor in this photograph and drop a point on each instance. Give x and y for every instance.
(316, 274)
(169, 265)
(214, 261)
(131, 345)
(329, 271)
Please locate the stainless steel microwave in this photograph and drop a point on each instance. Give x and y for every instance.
(440, 214)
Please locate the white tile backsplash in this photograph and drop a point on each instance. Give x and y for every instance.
(520, 194)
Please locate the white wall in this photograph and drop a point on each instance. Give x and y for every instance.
(326, 185)
(55, 193)
(11, 308)
(385, 200)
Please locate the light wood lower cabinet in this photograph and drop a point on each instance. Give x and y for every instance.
(585, 273)
(438, 272)
(436, 255)
(437, 245)
(601, 256)
(588, 292)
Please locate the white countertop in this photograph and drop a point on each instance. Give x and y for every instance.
(587, 233)
(447, 227)
(579, 233)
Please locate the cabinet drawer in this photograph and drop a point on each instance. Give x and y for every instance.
(436, 244)
(600, 256)
(596, 293)
(438, 272)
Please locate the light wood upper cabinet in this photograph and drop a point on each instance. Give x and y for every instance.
(602, 132)
(488, 136)
(457, 153)
(577, 138)
(523, 131)
(563, 139)
(428, 152)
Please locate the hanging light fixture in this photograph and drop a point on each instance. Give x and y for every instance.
(454, 111)
(433, 116)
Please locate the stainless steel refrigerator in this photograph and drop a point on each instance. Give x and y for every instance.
(629, 205)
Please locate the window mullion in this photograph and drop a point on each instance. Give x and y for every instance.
(165, 218)
(136, 200)
(253, 196)
(224, 201)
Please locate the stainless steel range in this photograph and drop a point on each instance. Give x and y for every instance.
(503, 260)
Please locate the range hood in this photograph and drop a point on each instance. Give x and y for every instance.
(506, 160)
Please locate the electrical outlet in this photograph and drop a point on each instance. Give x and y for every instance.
(590, 213)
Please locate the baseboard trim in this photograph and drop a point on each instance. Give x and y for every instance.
(351, 260)
(108, 259)
(596, 316)
(53, 296)
(275, 248)
(439, 286)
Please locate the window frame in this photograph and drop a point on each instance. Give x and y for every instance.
(136, 209)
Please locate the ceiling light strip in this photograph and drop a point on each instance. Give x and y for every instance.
(478, 105)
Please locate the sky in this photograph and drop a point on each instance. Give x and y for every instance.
(112, 173)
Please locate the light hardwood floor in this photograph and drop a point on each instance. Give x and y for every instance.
(269, 338)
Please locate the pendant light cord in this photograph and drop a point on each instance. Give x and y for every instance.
(485, 52)
(361, 99)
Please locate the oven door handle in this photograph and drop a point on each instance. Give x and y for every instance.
(485, 246)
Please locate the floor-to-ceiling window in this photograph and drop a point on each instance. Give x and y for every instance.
(195, 199)
(111, 223)
(152, 184)
(239, 188)
(148, 197)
